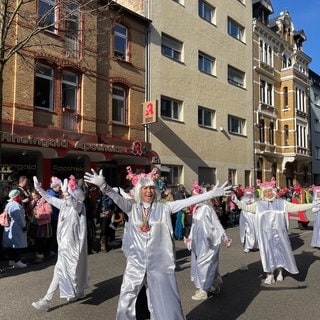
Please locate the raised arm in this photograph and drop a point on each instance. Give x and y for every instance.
(56, 202)
(99, 180)
(217, 191)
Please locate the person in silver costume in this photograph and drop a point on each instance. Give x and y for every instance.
(272, 230)
(148, 244)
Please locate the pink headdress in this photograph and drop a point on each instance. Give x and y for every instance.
(316, 188)
(195, 187)
(134, 178)
(267, 185)
(248, 190)
(72, 182)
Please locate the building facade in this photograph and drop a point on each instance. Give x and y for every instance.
(281, 100)
(72, 101)
(203, 88)
(315, 125)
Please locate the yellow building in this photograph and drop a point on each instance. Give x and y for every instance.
(281, 103)
(73, 94)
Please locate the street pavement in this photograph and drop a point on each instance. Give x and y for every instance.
(244, 295)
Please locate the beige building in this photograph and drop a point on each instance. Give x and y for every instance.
(281, 102)
(200, 72)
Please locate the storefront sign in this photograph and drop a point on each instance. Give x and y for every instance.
(99, 147)
(31, 140)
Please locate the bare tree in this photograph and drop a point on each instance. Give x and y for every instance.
(35, 19)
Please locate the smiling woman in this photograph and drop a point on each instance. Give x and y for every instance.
(148, 244)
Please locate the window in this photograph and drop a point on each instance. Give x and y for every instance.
(286, 135)
(266, 92)
(206, 63)
(235, 77)
(69, 100)
(47, 14)
(301, 134)
(285, 97)
(300, 99)
(171, 48)
(317, 125)
(235, 30)
(271, 133)
(206, 117)
(174, 176)
(170, 108)
(232, 176)
(120, 41)
(119, 105)
(207, 175)
(72, 30)
(236, 125)
(206, 11)
(44, 87)
(261, 130)
(316, 99)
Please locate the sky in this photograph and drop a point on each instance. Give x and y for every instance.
(305, 16)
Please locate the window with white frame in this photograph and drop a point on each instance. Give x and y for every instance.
(301, 132)
(171, 47)
(70, 114)
(47, 14)
(69, 90)
(300, 99)
(44, 87)
(206, 11)
(235, 30)
(236, 77)
(119, 104)
(120, 41)
(271, 133)
(206, 63)
(206, 117)
(236, 125)
(174, 176)
(261, 131)
(232, 176)
(266, 53)
(266, 92)
(72, 29)
(170, 108)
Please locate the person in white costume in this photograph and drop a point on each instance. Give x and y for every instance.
(315, 241)
(272, 230)
(247, 222)
(71, 270)
(148, 244)
(204, 242)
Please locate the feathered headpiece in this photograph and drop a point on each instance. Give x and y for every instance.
(248, 190)
(134, 178)
(316, 188)
(195, 187)
(267, 185)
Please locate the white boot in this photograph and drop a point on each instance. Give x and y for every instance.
(269, 279)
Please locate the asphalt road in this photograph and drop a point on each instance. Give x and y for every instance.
(244, 295)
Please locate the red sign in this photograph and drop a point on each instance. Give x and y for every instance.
(149, 112)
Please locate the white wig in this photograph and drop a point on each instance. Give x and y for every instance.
(146, 182)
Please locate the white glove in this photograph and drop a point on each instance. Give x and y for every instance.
(188, 242)
(223, 190)
(37, 184)
(96, 179)
(64, 187)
